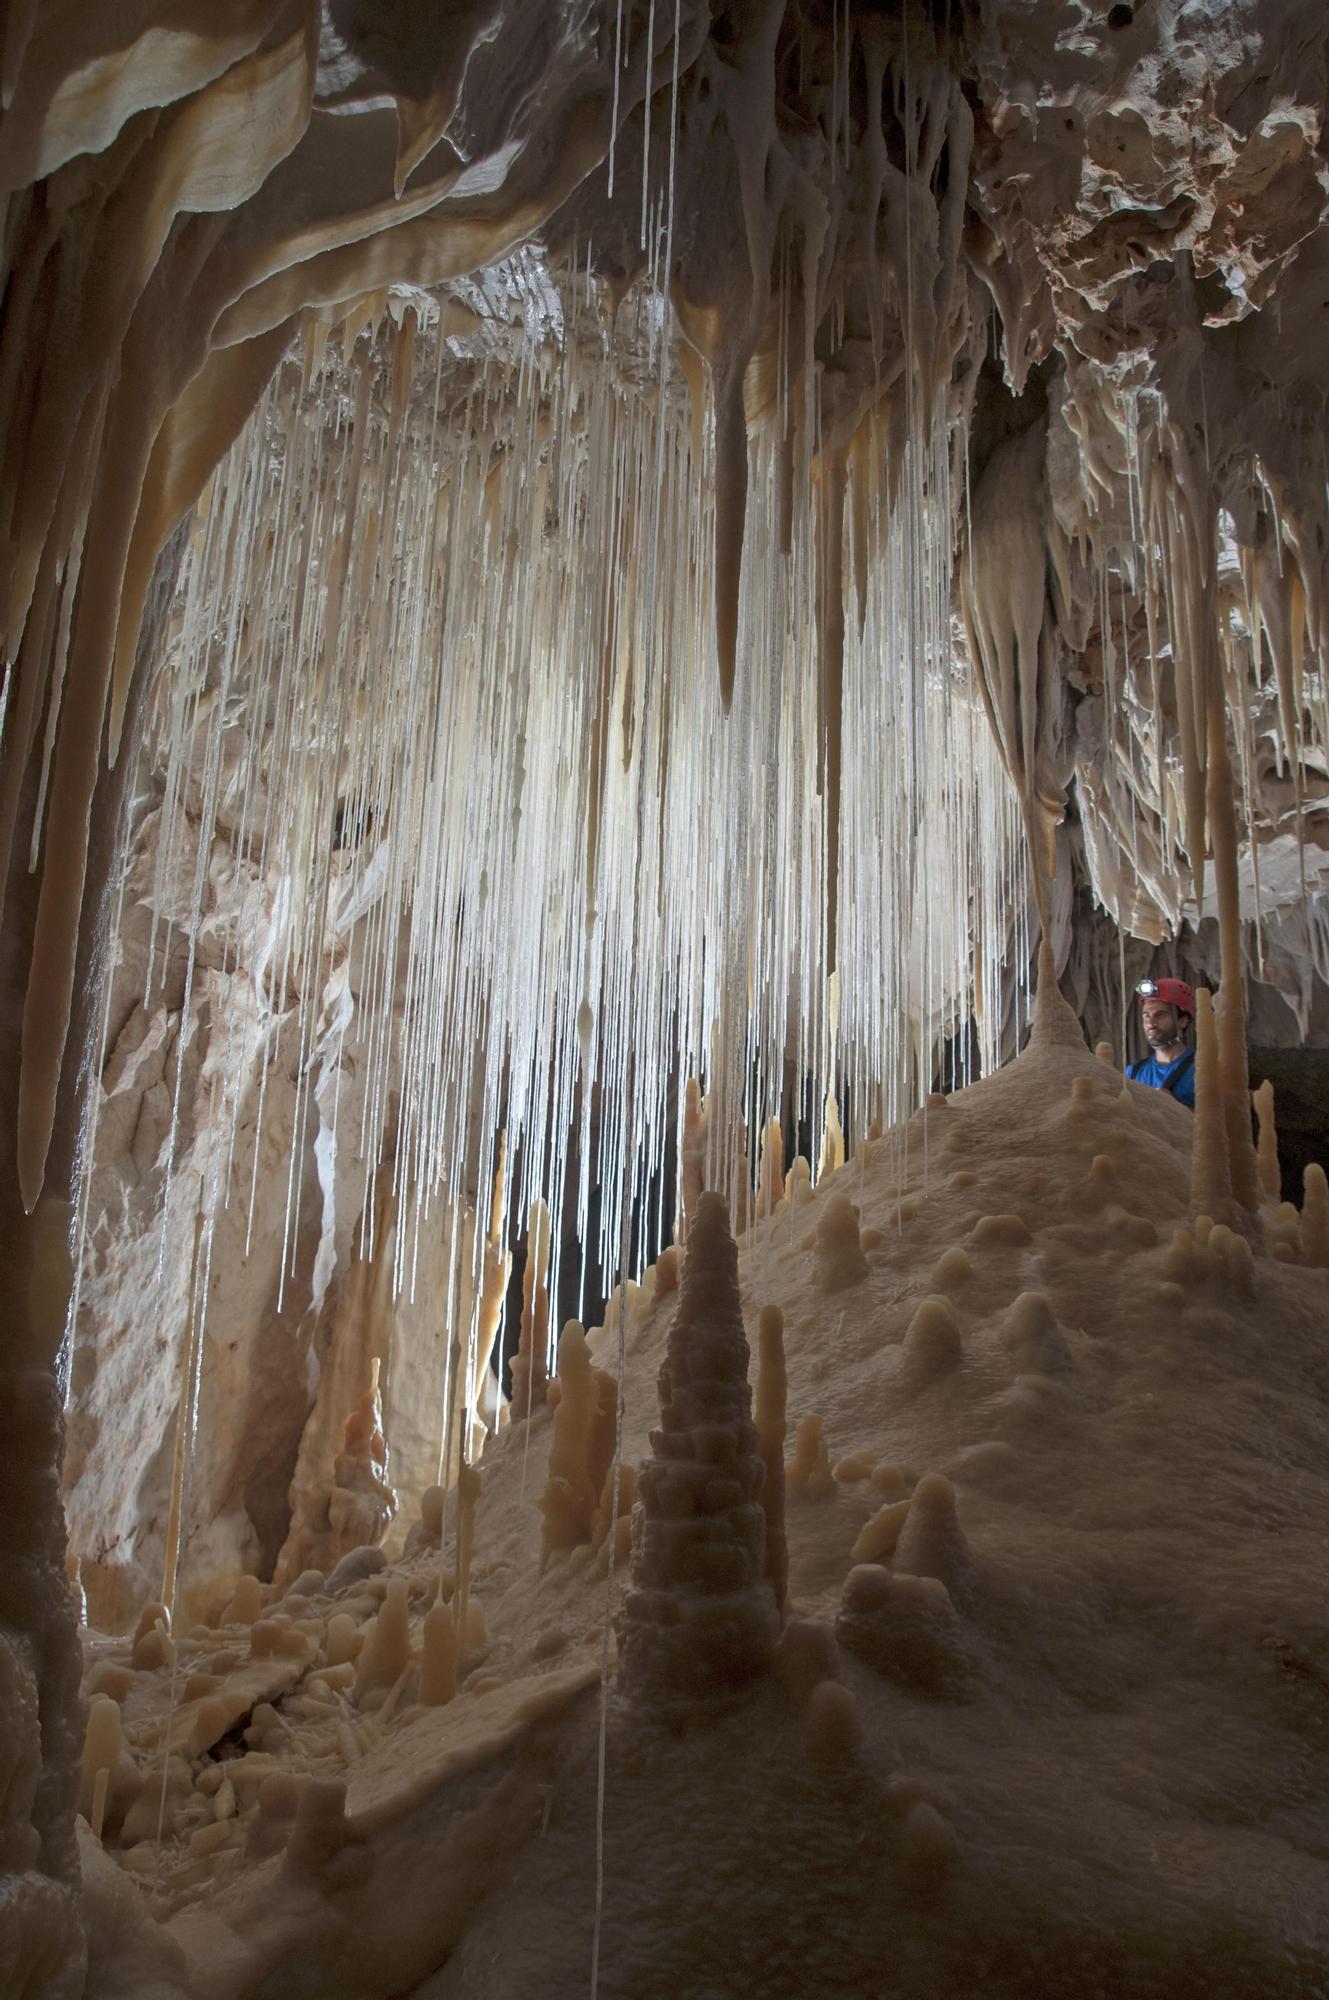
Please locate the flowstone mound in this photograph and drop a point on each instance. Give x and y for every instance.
(1013, 1736)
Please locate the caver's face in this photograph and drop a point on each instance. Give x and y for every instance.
(1161, 1025)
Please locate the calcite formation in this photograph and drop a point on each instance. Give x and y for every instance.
(549, 551)
(700, 1618)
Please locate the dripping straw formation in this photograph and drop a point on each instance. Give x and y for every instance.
(451, 667)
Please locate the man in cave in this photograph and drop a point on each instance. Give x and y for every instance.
(1167, 1012)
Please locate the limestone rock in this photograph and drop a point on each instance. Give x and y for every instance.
(699, 1621)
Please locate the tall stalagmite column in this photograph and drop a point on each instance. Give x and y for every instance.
(700, 1621)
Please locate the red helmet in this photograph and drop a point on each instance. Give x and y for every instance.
(1174, 991)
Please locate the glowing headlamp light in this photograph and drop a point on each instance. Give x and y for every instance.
(1144, 987)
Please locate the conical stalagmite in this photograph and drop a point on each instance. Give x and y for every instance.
(1315, 1216)
(386, 1650)
(932, 1345)
(438, 1661)
(809, 1471)
(770, 1175)
(1032, 1337)
(582, 1448)
(700, 1620)
(932, 1542)
(832, 1144)
(840, 1259)
(1055, 1023)
(1271, 1180)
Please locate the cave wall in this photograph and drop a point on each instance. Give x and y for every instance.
(229, 1180)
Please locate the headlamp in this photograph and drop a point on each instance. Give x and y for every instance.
(1144, 987)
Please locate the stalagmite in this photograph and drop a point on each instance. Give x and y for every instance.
(322, 1846)
(1054, 1023)
(840, 1259)
(1270, 1173)
(879, 1534)
(932, 1542)
(929, 1848)
(582, 1447)
(154, 1617)
(809, 1472)
(768, 1415)
(798, 1187)
(102, 1744)
(438, 1664)
(932, 1344)
(342, 1496)
(343, 1641)
(1033, 1338)
(834, 1725)
(1315, 1216)
(1236, 1259)
(1001, 1232)
(832, 1145)
(387, 1649)
(906, 1628)
(953, 1270)
(700, 1619)
(428, 1530)
(770, 1176)
(154, 1649)
(666, 1273)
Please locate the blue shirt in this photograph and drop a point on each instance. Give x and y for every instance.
(1158, 1076)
